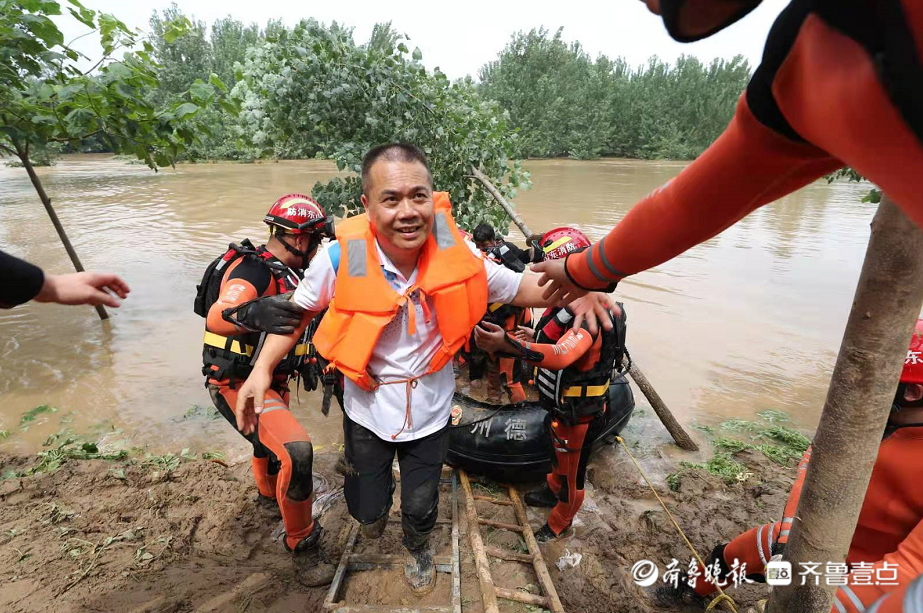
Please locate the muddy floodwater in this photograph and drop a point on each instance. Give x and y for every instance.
(749, 321)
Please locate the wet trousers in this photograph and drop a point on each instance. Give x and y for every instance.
(282, 459)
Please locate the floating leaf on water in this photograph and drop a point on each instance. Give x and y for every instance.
(31, 414)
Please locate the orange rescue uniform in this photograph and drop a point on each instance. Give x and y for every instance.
(841, 83)
(887, 545)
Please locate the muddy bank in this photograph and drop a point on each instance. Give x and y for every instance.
(131, 535)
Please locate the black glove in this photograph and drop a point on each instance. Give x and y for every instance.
(272, 314)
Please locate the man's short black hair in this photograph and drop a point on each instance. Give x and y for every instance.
(394, 152)
(483, 233)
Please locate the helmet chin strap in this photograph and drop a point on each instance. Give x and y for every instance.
(304, 255)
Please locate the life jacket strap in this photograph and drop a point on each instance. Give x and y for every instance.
(586, 391)
(228, 344)
(410, 383)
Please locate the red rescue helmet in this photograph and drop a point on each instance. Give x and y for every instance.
(557, 243)
(299, 214)
(913, 363)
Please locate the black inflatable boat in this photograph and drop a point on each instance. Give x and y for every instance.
(509, 443)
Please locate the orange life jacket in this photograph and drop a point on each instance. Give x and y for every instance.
(364, 302)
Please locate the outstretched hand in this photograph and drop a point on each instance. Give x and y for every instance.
(93, 288)
(560, 290)
(250, 400)
(594, 308)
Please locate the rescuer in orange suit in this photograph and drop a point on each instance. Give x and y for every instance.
(887, 545)
(573, 372)
(840, 84)
(244, 296)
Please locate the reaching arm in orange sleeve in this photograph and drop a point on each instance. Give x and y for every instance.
(748, 166)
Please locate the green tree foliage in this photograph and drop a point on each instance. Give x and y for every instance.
(46, 100)
(314, 92)
(197, 54)
(565, 103)
(847, 172)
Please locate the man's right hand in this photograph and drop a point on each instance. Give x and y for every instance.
(250, 399)
(91, 288)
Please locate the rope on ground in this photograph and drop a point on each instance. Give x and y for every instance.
(722, 596)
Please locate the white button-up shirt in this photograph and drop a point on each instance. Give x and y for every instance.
(398, 354)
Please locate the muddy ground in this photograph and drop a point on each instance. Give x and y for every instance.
(133, 536)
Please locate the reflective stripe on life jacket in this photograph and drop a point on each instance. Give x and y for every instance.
(364, 302)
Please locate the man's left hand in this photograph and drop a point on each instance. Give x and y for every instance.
(490, 337)
(593, 308)
(558, 288)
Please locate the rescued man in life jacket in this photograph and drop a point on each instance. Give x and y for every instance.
(403, 291)
(839, 85)
(886, 551)
(504, 373)
(244, 297)
(574, 369)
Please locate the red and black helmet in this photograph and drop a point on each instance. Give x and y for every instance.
(557, 243)
(299, 214)
(913, 363)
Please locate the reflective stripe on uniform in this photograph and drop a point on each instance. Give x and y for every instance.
(759, 542)
(593, 268)
(605, 260)
(772, 536)
(913, 599)
(851, 595)
(273, 404)
(221, 342)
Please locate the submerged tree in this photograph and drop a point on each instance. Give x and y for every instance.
(45, 100)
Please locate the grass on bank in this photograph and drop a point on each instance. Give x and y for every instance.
(65, 445)
(779, 443)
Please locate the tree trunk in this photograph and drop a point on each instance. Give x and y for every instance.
(885, 308)
(492, 189)
(682, 438)
(24, 158)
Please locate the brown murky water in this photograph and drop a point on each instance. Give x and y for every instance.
(749, 321)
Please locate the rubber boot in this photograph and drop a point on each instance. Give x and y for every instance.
(420, 570)
(542, 497)
(375, 529)
(267, 504)
(546, 534)
(668, 595)
(312, 568)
